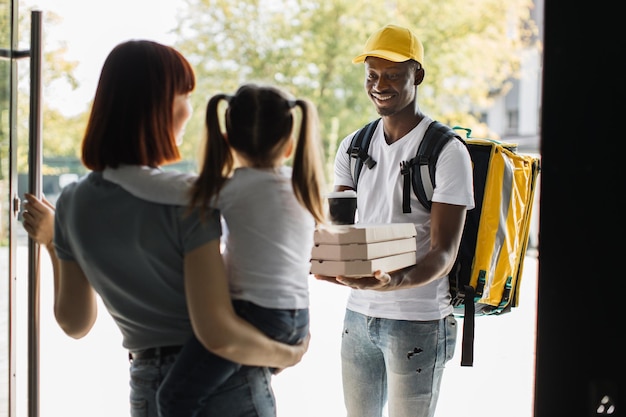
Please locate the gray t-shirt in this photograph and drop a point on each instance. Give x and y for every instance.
(132, 252)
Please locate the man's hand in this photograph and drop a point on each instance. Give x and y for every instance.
(379, 281)
(327, 279)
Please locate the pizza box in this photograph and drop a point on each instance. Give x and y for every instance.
(362, 268)
(363, 233)
(362, 251)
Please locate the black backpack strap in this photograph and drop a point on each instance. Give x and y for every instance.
(463, 295)
(358, 150)
(423, 165)
(436, 137)
(469, 317)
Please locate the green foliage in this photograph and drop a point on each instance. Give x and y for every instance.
(472, 51)
(61, 135)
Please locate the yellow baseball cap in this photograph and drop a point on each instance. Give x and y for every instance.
(393, 43)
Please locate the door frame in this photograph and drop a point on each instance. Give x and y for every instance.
(9, 52)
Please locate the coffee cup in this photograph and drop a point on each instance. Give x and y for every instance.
(342, 206)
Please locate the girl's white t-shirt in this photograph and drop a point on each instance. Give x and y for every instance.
(268, 237)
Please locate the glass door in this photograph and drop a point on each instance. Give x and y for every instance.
(19, 344)
(8, 80)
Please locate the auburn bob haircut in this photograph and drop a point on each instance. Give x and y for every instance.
(131, 119)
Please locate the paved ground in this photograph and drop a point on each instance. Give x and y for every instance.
(90, 376)
(499, 384)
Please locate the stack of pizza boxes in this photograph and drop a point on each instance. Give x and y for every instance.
(360, 249)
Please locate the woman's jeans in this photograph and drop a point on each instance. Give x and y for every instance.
(197, 373)
(395, 362)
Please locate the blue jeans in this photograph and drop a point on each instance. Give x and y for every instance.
(197, 373)
(395, 362)
(245, 394)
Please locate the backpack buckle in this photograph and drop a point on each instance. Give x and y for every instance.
(405, 170)
(360, 153)
(458, 299)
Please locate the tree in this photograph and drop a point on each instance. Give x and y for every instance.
(61, 134)
(472, 51)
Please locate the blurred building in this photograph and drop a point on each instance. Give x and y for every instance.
(514, 116)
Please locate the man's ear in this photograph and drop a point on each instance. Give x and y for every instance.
(419, 76)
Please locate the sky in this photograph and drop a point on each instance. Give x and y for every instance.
(92, 28)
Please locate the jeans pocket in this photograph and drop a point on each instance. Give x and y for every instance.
(451, 329)
(145, 378)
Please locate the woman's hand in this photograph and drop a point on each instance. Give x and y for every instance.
(38, 220)
(299, 350)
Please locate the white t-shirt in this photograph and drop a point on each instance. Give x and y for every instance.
(270, 234)
(379, 200)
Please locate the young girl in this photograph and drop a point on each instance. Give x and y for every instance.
(270, 212)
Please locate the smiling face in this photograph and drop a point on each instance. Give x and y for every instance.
(391, 85)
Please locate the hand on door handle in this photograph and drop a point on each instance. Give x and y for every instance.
(38, 219)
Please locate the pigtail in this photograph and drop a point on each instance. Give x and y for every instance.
(217, 162)
(307, 177)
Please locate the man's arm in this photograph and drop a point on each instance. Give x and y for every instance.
(343, 188)
(447, 221)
